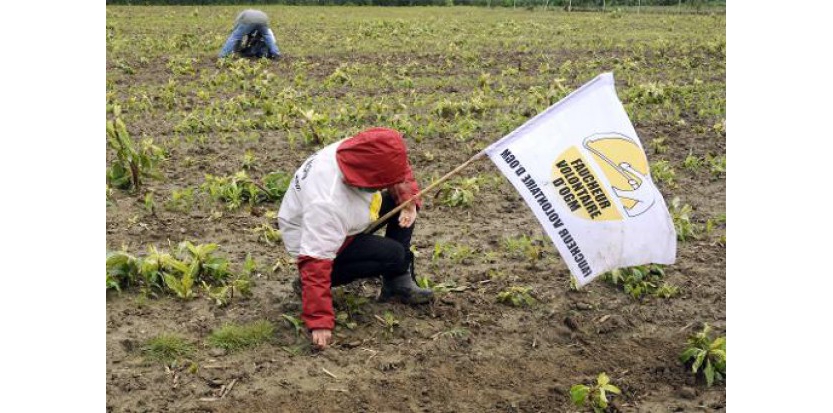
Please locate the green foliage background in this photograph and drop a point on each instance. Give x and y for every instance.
(575, 4)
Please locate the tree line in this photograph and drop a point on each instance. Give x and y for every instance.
(572, 4)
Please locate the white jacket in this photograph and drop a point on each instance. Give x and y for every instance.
(319, 211)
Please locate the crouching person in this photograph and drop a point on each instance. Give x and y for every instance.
(251, 37)
(333, 197)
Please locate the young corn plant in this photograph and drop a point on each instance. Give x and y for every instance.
(339, 77)
(659, 146)
(236, 189)
(152, 267)
(717, 166)
(267, 233)
(250, 266)
(275, 185)
(667, 290)
(122, 270)
(208, 265)
(248, 161)
(233, 190)
(681, 216)
(572, 285)
(132, 164)
(663, 172)
(220, 294)
(189, 266)
(317, 131)
(113, 283)
(459, 192)
(648, 93)
(241, 285)
(516, 297)
(351, 303)
(720, 127)
(181, 200)
(525, 247)
(706, 356)
(389, 322)
(457, 253)
(715, 224)
(150, 204)
(642, 280)
(223, 294)
(692, 162)
(109, 196)
(443, 287)
(594, 396)
(296, 323)
(343, 320)
(441, 249)
(183, 285)
(125, 270)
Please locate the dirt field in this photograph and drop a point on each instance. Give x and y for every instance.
(162, 69)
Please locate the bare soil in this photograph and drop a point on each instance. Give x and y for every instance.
(511, 360)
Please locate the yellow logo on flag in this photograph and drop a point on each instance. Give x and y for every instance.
(623, 164)
(580, 189)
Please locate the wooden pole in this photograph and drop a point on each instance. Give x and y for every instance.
(377, 224)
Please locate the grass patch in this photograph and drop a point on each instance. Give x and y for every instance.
(167, 348)
(234, 337)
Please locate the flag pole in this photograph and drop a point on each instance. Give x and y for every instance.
(376, 224)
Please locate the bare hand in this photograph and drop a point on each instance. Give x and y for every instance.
(407, 215)
(321, 338)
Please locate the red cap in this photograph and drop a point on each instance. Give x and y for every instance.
(375, 158)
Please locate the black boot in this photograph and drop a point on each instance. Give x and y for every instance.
(403, 288)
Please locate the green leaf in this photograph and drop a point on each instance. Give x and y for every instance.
(611, 388)
(172, 282)
(637, 273)
(117, 258)
(187, 283)
(218, 267)
(113, 283)
(688, 354)
(190, 247)
(602, 379)
(193, 270)
(701, 356)
(175, 264)
(579, 393)
(602, 401)
(250, 265)
(720, 365)
(709, 373)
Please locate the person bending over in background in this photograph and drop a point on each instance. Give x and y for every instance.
(332, 198)
(251, 36)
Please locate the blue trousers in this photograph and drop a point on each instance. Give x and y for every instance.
(241, 30)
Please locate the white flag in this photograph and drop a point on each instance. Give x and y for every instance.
(581, 168)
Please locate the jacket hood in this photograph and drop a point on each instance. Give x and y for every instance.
(375, 158)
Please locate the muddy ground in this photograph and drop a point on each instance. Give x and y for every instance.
(509, 360)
